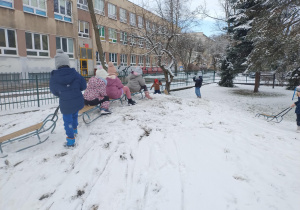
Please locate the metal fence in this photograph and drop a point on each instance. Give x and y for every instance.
(19, 90)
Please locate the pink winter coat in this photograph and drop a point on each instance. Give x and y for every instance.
(96, 88)
(114, 88)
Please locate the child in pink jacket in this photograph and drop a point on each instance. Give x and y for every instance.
(95, 92)
(115, 89)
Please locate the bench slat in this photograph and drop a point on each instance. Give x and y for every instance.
(86, 108)
(21, 132)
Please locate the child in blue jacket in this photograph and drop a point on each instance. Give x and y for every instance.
(198, 84)
(67, 84)
(297, 111)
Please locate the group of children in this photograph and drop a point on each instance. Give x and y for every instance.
(67, 84)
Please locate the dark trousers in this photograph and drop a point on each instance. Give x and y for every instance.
(144, 88)
(92, 103)
(157, 91)
(298, 119)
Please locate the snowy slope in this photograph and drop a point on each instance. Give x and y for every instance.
(173, 152)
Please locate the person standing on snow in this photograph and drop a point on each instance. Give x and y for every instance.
(156, 86)
(67, 84)
(198, 84)
(297, 111)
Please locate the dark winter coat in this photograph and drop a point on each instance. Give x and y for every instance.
(297, 103)
(67, 84)
(198, 81)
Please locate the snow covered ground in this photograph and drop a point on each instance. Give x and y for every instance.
(172, 152)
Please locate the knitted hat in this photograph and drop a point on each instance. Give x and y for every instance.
(138, 70)
(61, 59)
(298, 89)
(111, 69)
(156, 81)
(101, 73)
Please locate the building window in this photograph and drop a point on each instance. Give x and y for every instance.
(147, 25)
(8, 44)
(37, 44)
(123, 38)
(37, 7)
(63, 10)
(112, 12)
(147, 61)
(141, 60)
(112, 35)
(140, 22)
(132, 60)
(66, 44)
(153, 27)
(101, 32)
(113, 58)
(141, 43)
(99, 7)
(82, 4)
(98, 58)
(132, 19)
(6, 3)
(123, 59)
(123, 15)
(132, 40)
(147, 44)
(83, 29)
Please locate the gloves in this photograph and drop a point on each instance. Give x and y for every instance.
(106, 98)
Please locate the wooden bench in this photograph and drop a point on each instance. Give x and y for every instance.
(33, 130)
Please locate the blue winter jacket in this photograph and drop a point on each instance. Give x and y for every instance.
(198, 81)
(297, 111)
(67, 84)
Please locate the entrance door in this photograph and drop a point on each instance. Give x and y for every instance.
(84, 67)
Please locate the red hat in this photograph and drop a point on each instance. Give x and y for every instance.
(156, 81)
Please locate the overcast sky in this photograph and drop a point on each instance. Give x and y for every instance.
(207, 25)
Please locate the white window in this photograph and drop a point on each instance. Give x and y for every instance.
(132, 60)
(123, 38)
(6, 3)
(132, 40)
(123, 15)
(101, 32)
(113, 58)
(140, 22)
(8, 44)
(99, 6)
(82, 4)
(141, 43)
(123, 59)
(141, 60)
(37, 44)
(147, 25)
(37, 7)
(147, 44)
(98, 58)
(83, 29)
(112, 35)
(112, 12)
(66, 44)
(153, 27)
(63, 10)
(132, 19)
(147, 61)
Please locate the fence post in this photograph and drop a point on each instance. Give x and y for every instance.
(273, 80)
(214, 76)
(37, 90)
(187, 77)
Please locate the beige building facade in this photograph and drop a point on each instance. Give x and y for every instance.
(32, 30)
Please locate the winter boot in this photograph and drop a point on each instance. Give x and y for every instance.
(131, 102)
(298, 129)
(147, 95)
(105, 111)
(70, 142)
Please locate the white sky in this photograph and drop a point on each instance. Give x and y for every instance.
(207, 25)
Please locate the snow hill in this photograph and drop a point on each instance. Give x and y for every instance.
(174, 152)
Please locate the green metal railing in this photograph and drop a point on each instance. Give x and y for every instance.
(18, 91)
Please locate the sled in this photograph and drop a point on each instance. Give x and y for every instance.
(34, 130)
(86, 111)
(277, 118)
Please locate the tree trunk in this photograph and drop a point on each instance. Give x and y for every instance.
(97, 35)
(257, 80)
(168, 82)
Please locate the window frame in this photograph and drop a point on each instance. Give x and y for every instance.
(132, 18)
(69, 53)
(148, 25)
(141, 42)
(41, 45)
(35, 10)
(110, 15)
(63, 17)
(132, 58)
(140, 22)
(112, 57)
(147, 58)
(98, 58)
(141, 58)
(83, 34)
(112, 35)
(98, 11)
(123, 59)
(132, 40)
(102, 32)
(123, 37)
(9, 4)
(83, 5)
(7, 43)
(123, 19)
